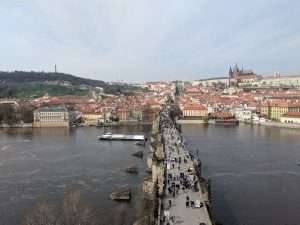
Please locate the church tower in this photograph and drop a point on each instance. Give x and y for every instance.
(230, 76)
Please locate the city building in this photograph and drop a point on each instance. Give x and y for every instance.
(275, 110)
(212, 82)
(242, 114)
(280, 81)
(136, 113)
(123, 114)
(150, 114)
(92, 119)
(291, 117)
(51, 116)
(237, 76)
(275, 81)
(194, 111)
(192, 91)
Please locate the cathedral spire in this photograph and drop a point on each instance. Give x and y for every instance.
(230, 76)
(230, 72)
(236, 68)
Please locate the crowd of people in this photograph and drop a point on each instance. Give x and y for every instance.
(180, 178)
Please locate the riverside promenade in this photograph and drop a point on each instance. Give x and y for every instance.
(183, 201)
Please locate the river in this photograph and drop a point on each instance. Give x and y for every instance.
(255, 171)
(45, 163)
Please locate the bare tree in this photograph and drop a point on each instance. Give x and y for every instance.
(26, 113)
(75, 212)
(41, 214)
(145, 208)
(120, 216)
(8, 114)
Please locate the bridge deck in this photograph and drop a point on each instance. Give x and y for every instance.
(180, 172)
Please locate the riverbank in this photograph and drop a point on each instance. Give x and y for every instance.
(122, 123)
(275, 124)
(191, 122)
(22, 125)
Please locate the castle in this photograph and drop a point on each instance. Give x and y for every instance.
(237, 75)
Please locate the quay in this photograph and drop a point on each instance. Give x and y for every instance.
(177, 192)
(277, 124)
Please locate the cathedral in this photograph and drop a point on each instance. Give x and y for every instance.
(237, 75)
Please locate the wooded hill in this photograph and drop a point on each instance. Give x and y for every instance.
(30, 84)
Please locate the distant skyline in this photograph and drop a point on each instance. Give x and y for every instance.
(148, 40)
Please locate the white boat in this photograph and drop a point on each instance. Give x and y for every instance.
(121, 137)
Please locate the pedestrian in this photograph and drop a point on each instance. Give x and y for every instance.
(173, 218)
(187, 204)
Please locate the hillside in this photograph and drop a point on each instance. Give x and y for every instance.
(26, 77)
(31, 84)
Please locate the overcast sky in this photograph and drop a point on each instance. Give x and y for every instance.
(138, 40)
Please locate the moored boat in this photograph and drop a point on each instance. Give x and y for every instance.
(226, 122)
(223, 118)
(139, 154)
(141, 143)
(121, 137)
(124, 195)
(132, 169)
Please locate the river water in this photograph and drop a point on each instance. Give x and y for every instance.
(254, 171)
(45, 163)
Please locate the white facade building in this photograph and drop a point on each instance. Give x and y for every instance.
(54, 116)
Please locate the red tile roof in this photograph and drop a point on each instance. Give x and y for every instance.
(292, 114)
(194, 107)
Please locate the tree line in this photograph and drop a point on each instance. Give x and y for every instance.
(11, 114)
